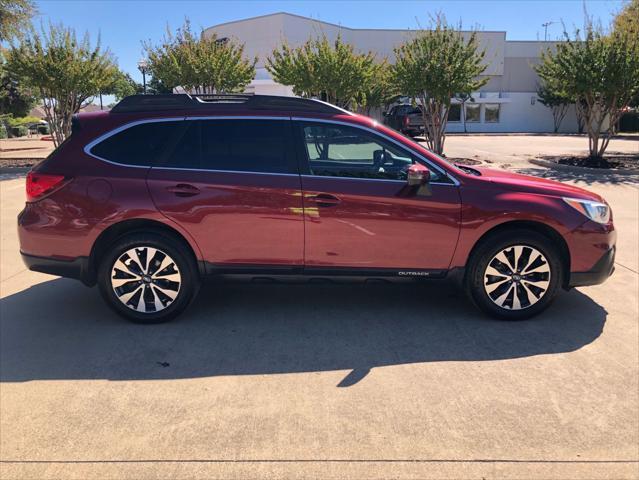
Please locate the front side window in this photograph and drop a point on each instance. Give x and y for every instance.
(491, 112)
(343, 151)
(139, 145)
(472, 112)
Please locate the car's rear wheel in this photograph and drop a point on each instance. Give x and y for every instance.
(515, 275)
(148, 278)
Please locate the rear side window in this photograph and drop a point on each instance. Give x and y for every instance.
(245, 145)
(139, 145)
(261, 146)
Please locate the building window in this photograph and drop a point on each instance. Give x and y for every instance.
(491, 113)
(454, 112)
(472, 112)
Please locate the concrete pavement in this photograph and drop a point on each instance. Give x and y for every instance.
(516, 150)
(319, 381)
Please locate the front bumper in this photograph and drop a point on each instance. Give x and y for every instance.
(77, 268)
(599, 273)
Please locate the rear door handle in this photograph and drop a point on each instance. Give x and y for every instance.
(325, 200)
(183, 190)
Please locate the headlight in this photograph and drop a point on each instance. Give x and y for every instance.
(595, 211)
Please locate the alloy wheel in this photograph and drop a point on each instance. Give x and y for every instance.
(517, 277)
(146, 279)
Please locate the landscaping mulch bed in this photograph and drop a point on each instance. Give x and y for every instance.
(611, 161)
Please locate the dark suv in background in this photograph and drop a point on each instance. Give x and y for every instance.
(406, 119)
(162, 191)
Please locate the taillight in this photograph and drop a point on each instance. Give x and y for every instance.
(39, 184)
(406, 121)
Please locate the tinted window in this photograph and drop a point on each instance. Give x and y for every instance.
(473, 112)
(491, 112)
(454, 112)
(234, 145)
(141, 144)
(245, 145)
(186, 153)
(342, 151)
(408, 110)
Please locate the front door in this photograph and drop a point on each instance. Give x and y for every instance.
(233, 184)
(360, 214)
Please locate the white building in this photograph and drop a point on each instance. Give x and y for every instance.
(507, 103)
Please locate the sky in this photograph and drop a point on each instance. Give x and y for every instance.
(123, 24)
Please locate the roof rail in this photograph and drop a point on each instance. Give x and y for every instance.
(183, 101)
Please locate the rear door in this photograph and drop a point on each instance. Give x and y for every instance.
(233, 184)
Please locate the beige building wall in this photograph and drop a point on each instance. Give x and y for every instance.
(512, 81)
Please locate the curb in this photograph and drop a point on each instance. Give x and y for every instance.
(582, 170)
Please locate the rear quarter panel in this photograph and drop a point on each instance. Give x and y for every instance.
(66, 223)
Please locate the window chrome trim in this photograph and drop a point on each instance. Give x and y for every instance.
(430, 163)
(243, 172)
(87, 148)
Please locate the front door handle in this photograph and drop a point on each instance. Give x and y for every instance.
(324, 200)
(183, 190)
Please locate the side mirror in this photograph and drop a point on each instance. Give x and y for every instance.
(418, 175)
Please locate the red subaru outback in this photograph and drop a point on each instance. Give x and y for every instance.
(162, 191)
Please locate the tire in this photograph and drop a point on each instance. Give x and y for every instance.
(129, 289)
(509, 290)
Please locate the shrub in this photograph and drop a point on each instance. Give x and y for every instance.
(16, 122)
(19, 131)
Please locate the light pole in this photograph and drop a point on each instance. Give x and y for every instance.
(546, 25)
(143, 66)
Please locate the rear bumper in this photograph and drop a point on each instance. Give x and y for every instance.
(599, 273)
(77, 268)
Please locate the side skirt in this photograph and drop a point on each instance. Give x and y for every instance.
(296, 273)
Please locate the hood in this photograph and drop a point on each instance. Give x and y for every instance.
(527, 183)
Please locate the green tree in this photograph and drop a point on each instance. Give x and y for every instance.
(122, 86)
(628, 19)
(435, 66)
(379, 92)
(156, 87)
(15, 99)
(626, 24)
(330, 70)
(601, 73)
(15, 17)
(201, 64)
(64, 72)
(550, 95)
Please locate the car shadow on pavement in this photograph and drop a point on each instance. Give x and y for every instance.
(61, 330)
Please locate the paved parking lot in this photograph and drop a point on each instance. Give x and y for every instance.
(309, 381)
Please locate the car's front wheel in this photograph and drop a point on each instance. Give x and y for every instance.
(515, 275)
(148, 278)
